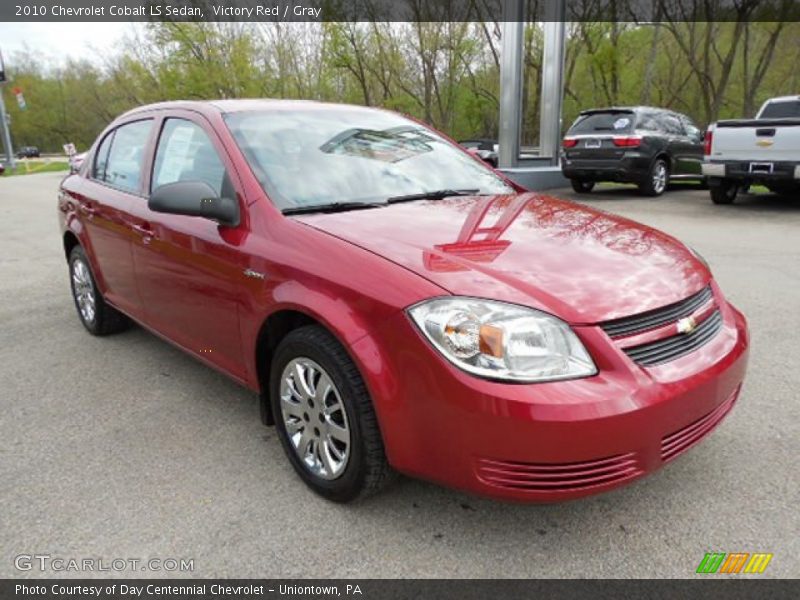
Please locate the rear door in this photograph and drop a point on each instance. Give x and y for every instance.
(189, 269)
(104, 201)
(679, 146)
(694, 150)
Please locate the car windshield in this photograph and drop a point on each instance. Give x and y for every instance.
(313, 157)
(616, 121)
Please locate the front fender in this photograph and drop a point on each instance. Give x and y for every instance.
(332, 310)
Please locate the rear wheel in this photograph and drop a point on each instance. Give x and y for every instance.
(582, 187)
(724, 193)
(324, 417)
(656, 179)
(97, 316)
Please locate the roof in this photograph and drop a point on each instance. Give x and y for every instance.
(784, 99)
(245, 104)
(622, 109)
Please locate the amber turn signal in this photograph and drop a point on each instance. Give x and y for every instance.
(491, 341)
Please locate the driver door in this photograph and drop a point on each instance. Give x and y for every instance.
(188, 269)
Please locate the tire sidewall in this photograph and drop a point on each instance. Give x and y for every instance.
(725, 193)
(581, 186)
(648, 187)
(348, 485)
(77, 254)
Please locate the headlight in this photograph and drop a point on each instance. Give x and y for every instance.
(502, 341)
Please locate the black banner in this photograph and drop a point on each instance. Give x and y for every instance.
(397, 10)
(390, 589)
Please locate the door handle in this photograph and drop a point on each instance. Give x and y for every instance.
(88, 210)
(145, 231)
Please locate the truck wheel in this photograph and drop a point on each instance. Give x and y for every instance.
(582, 187)
(656, 180)
(724, 193)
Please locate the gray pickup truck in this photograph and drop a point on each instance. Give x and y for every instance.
(764, 150)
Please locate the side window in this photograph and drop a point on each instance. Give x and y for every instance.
(101, 158)
(648, 122)
(185, 153)
(692, 130)
(124, 165)
(672, 125)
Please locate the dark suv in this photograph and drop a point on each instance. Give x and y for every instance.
(28, 152)
(641, 145)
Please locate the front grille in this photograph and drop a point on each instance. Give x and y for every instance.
(557, 477)
(658, 317)
(679, 441)
(675, 346)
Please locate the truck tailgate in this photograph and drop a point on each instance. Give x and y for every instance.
(769, 140)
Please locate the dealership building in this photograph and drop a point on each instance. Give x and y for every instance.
(538, 167)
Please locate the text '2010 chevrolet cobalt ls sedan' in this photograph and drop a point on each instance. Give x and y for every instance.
(397, 304)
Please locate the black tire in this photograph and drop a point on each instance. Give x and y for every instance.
(366, 471)
(582, 187)
(105, 319)
(656, 180)
(724, 193)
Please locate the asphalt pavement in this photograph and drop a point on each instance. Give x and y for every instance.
(124, 447)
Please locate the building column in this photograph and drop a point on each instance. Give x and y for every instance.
(552, 80)
(512, 29)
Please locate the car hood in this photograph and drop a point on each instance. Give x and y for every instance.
(581, 264)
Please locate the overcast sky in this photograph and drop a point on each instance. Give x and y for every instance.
(55, 40)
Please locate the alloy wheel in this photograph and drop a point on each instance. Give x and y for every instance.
(315, 418)
(659, 177)
(83, 290)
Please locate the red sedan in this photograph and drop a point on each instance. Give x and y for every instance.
(397, 304)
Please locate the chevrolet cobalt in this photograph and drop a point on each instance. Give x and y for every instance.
(398, 305)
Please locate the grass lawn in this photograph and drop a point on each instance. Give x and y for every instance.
(31, 167)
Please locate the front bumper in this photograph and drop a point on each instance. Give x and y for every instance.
(552, 441)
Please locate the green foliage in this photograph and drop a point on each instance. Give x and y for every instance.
(445, 73)
(34, 167)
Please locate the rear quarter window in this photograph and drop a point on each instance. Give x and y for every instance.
(614, 122)
(781, 110)
(648, 122)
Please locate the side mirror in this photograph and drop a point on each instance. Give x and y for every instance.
(697, 134)
(194, 199)
(486, 156)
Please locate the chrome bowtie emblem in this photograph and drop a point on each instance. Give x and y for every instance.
(687, 325)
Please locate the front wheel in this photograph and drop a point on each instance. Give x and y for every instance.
(724, 193)
(656, 180)
(582, 187)
(325, 418)
(97, 316)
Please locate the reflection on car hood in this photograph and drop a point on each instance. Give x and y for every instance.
(583, 265)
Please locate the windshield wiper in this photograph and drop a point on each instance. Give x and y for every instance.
(329, 208)
(433, 195)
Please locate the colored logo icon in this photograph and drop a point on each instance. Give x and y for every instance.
(734, 562)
